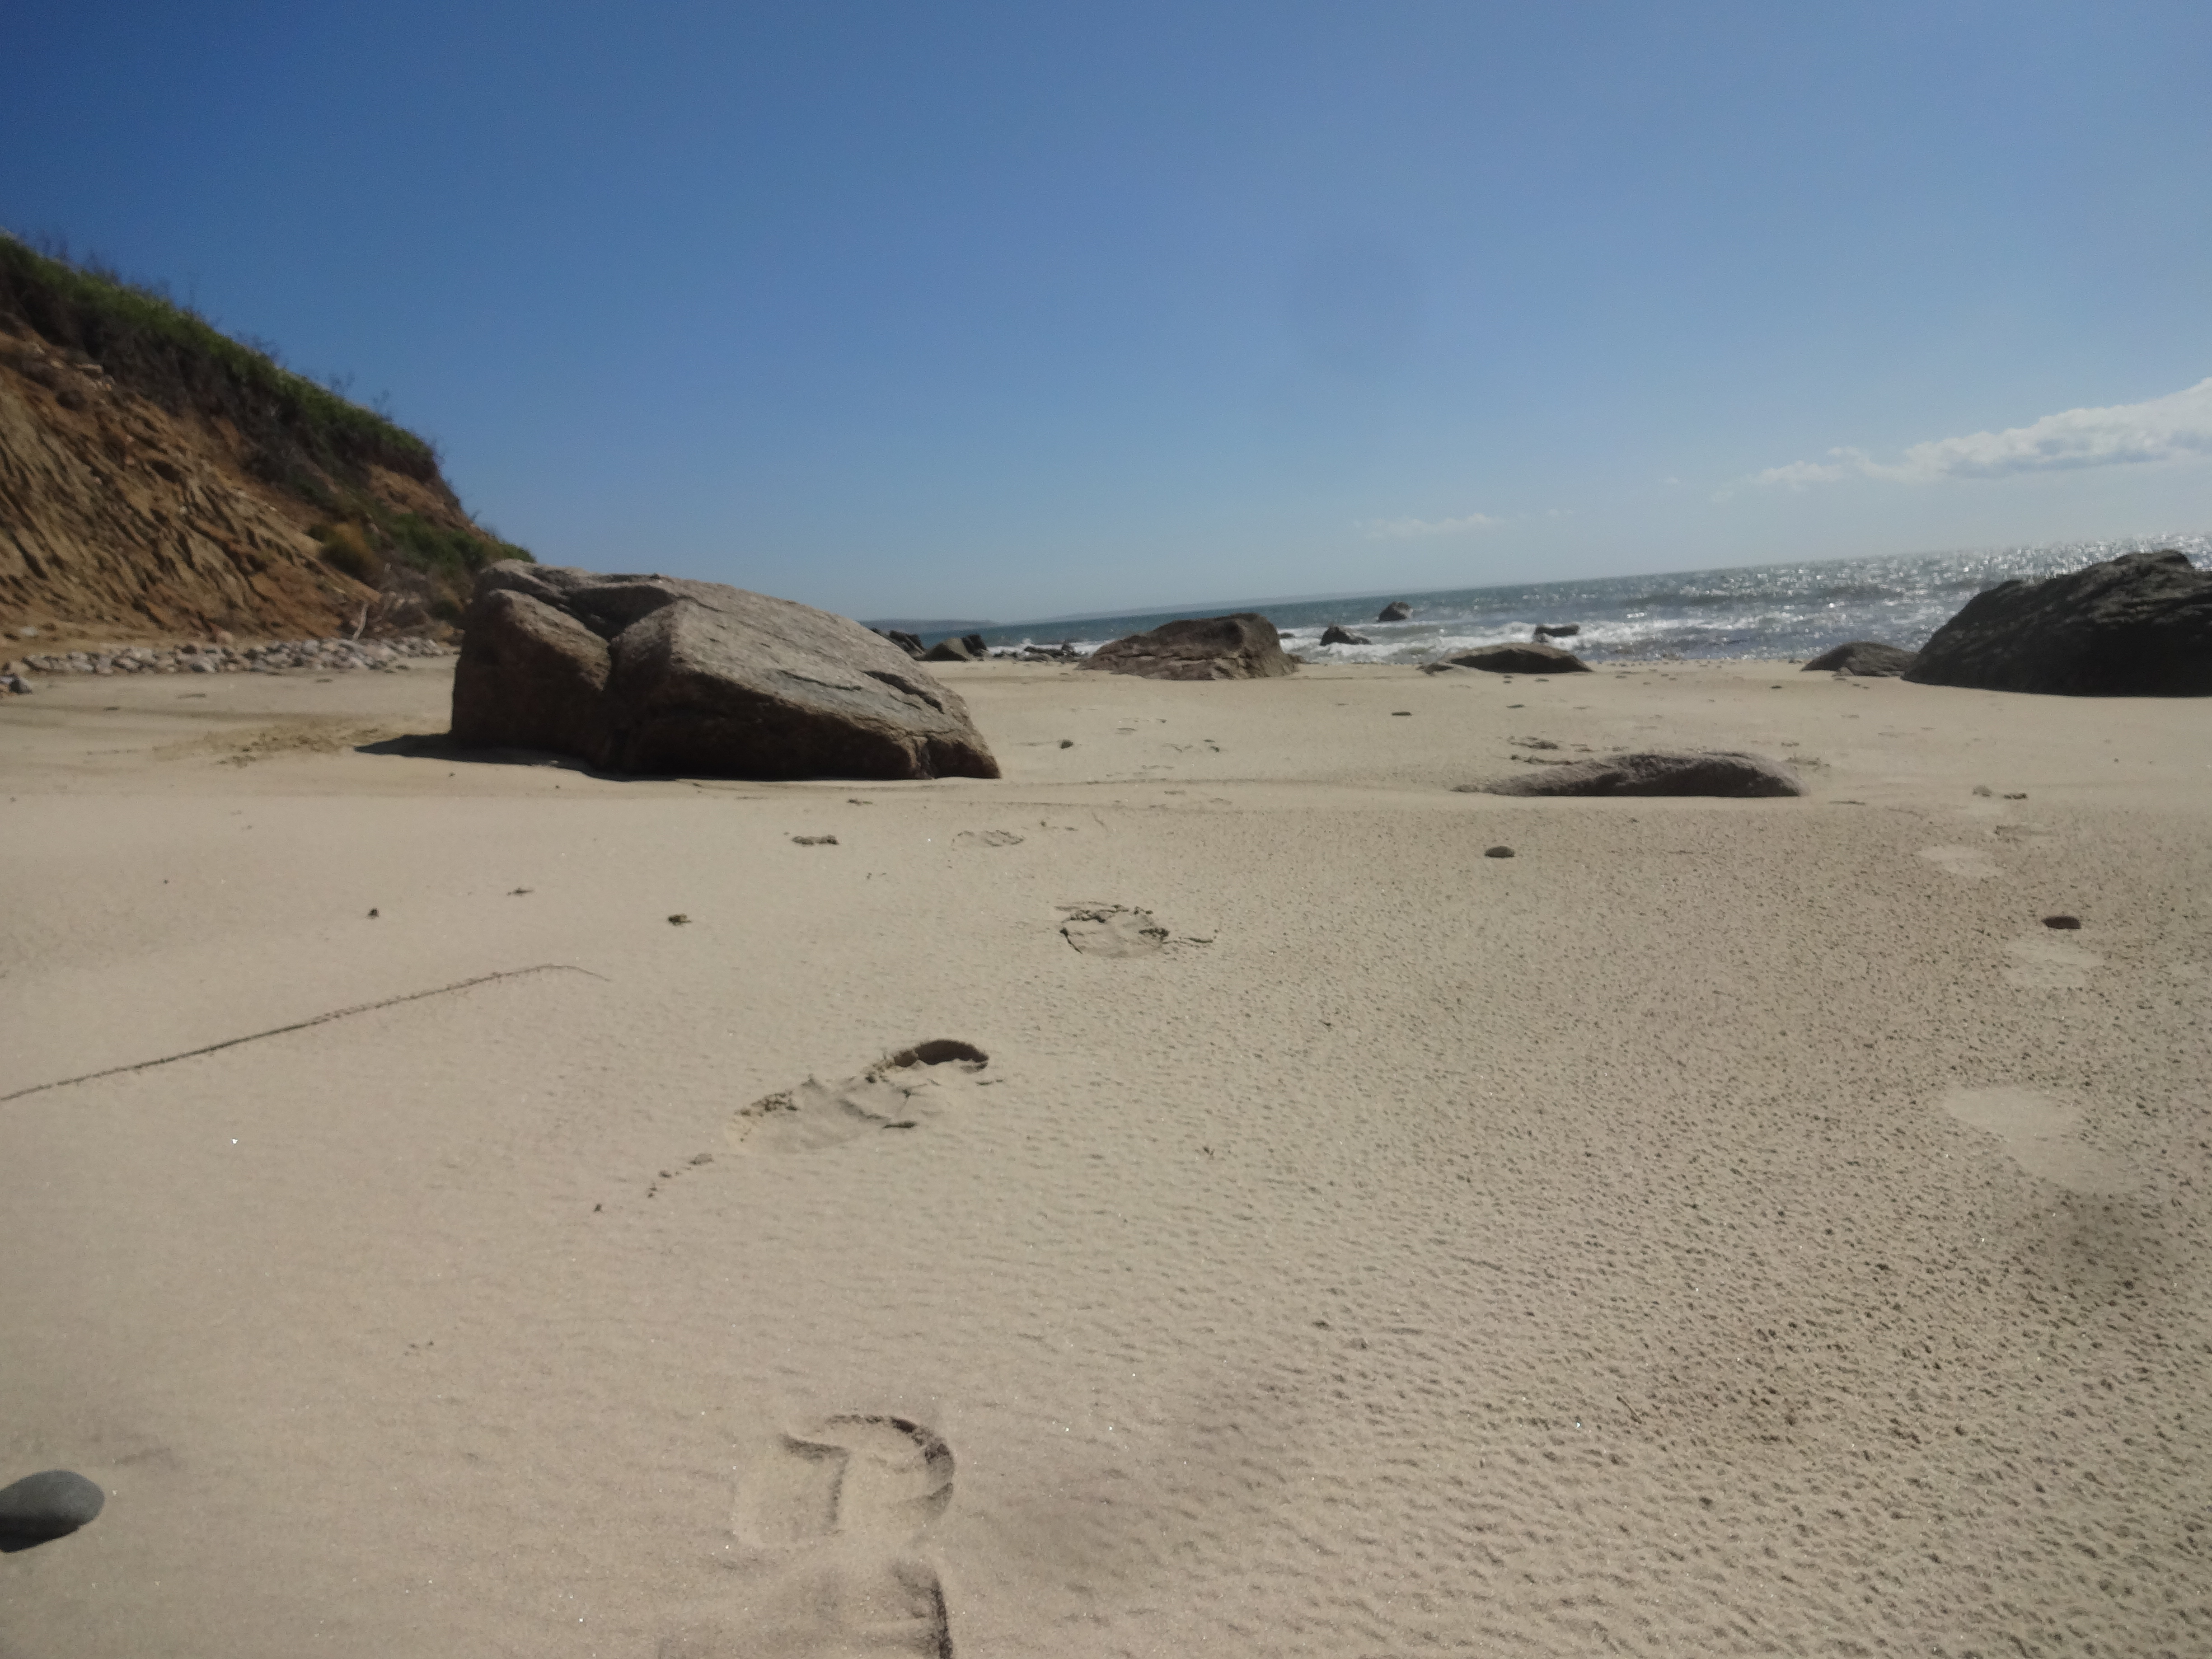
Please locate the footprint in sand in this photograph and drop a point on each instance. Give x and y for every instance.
(904, 1091)
(842, 1501)
(968, 838)
(1968, 863)
(1109, 930)
(1117, 930)
(878, 1478)
(2046, 962)
(2041, 1135)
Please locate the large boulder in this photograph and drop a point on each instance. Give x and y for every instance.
(1869, 659)
(656, 674)
(1703, 772)
(1244, 646)
(1396, 611)
(1530, 658)
(2137, 626)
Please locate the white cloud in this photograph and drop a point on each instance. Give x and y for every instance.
(1380, 529)
(2175, 428)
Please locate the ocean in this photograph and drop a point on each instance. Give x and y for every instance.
(1769, 611)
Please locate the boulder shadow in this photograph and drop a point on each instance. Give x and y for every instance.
(441, 745)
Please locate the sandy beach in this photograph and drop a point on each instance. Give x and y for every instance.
(1722, 1227)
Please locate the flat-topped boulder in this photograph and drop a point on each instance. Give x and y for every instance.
(1868, 660)
(1529, 659)
(1242, 646)
(1725, 773)
(664, 676)
(2137, 626)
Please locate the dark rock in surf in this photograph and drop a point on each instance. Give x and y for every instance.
(1396, 611)
(1334, 635)
(659, 674)
(1531, 659)
(1720, 772)
(1869, 660)
(1557, 630)
(50, 1505)
(1242, 646)
(2137, 626)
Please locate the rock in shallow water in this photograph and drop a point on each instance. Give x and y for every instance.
(2137, 626)
(1242, 646)
(1530, 658)
(50, 1505)
(1866, 658)
(1717, 772)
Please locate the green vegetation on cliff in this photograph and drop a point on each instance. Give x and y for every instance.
(300, 436)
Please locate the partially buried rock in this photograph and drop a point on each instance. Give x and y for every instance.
(50, 1505)
(949, 651)
(1242, 646)
(909, 643)
(2138, 626)
(1531, 659)
(1869, 660)
(1715, 772)
(659, 674)
(1396, 611)
(1334, 635)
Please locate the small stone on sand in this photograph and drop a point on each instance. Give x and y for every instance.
(49, 1504)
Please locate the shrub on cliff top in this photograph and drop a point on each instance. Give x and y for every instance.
(172, 355)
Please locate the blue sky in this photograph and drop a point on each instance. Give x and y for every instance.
(1014, 310)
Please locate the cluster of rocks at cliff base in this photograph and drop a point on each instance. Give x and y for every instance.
(663, 676)
(273, 658)
(1724, 772)
(2136, 626)
(1241, 647)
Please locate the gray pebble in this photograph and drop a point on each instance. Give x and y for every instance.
(49, 1504)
